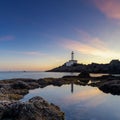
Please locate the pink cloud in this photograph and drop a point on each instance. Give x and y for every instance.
(90, 46)
(7, 38)
(83, 34)
(32, 53)
(94, 41)
(83, 48)
(111, 8)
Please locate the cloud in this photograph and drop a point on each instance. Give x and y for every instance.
(111, 8)
(34, 53)
(92, 46)
(29, 53)
(7, 38)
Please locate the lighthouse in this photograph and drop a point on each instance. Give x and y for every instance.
(72, 61)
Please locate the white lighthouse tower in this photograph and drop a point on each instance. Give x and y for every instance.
(72, 61)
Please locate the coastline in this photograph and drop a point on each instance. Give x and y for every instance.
(12, 90)
(113, 67)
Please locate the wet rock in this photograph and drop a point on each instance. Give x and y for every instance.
(84, 77)
(20, 85)
(15, 89)
(112, 87)
(84, 74)
(35, 109)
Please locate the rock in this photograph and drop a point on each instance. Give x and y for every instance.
(84, 74)
(15, 89)
(113, 67)
(20, 85)
(112, 87)
(69, 76)
(35, 109)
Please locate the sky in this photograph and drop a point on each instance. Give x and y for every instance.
(40, 34)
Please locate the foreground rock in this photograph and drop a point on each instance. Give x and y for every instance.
(35, 109)
(15, 89)
(111, 86)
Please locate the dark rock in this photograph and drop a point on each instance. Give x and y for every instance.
(20, 85)
(15, 89)
(113, 67)
(69, 76)
(84, 74)
(35, 109)
(112, 87)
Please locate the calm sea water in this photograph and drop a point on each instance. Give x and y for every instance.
(78, 102)
(34, 75)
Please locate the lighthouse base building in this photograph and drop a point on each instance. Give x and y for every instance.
(71, 62)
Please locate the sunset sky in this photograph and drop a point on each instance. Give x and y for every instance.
(40, 34)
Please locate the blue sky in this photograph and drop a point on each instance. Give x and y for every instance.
(40, 34)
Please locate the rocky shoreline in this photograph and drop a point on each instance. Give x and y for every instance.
(12, 90)
(112, 68)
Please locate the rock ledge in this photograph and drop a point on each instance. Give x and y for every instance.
(34, 109)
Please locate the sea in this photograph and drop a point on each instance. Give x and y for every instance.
(78, 102)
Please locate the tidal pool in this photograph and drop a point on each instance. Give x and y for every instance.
(80, 102)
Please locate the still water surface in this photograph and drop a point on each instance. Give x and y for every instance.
(78, 102)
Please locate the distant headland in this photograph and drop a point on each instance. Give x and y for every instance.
(72, 66)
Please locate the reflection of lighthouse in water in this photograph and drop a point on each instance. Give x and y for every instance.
(72, 55)
(72, 87)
